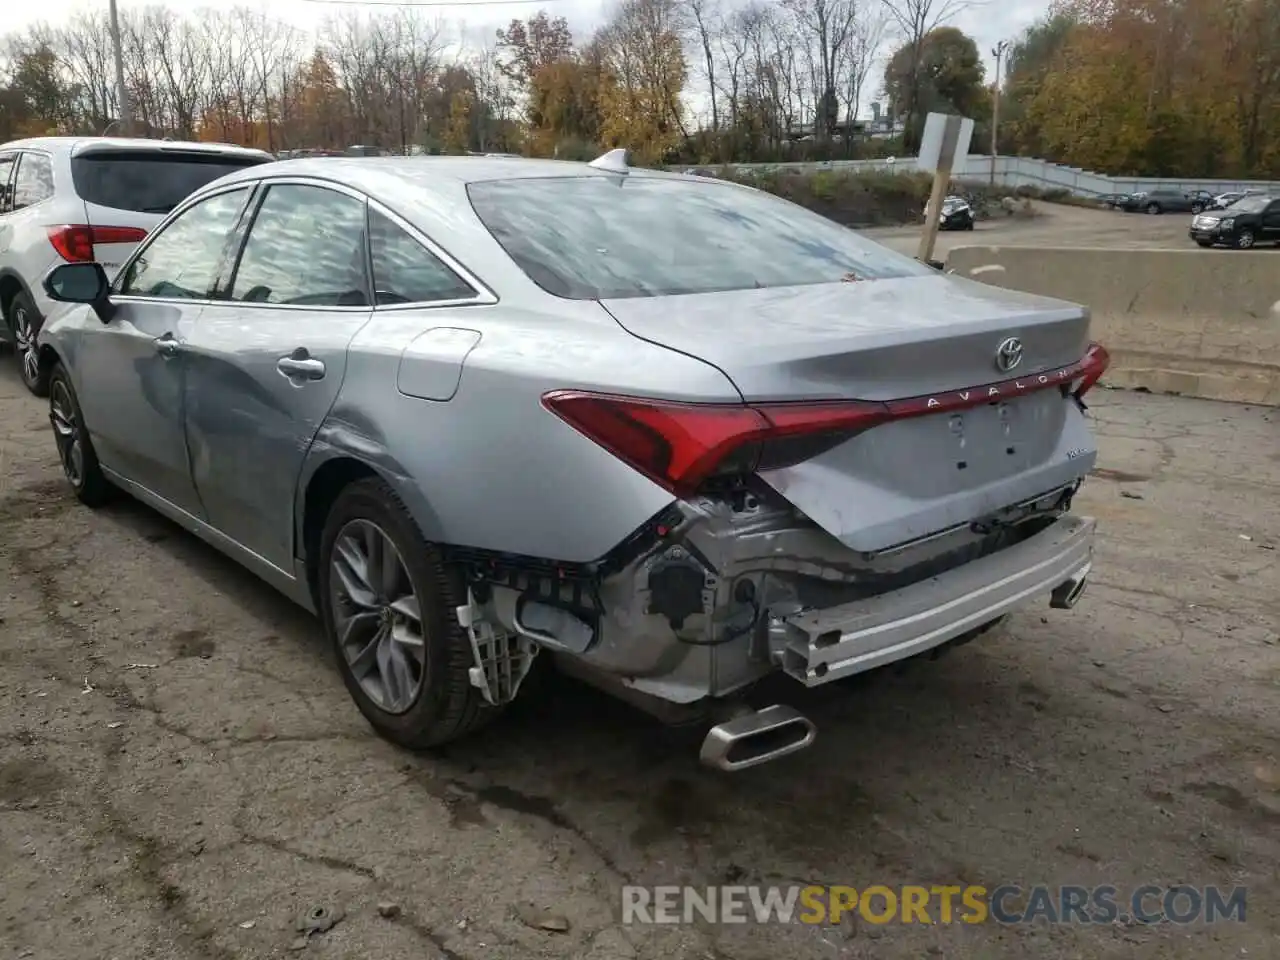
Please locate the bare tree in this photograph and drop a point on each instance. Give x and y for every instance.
(705, 21)
(915, 19)
(827, 29)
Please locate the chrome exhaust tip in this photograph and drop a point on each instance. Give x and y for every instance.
(1067, 594)
(758, 737)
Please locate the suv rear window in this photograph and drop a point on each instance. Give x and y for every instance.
(148, 181)
(603, 237)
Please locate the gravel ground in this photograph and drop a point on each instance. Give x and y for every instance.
(1056, 225)
(183, 776)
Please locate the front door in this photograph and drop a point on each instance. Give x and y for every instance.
(132, 370)
(265, 362)
(1271, 222)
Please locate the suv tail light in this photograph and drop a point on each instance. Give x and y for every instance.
(680, 446)
(75, 242)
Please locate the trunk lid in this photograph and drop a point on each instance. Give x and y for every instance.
(884, 340)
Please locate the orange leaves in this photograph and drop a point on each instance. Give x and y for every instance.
(1160, 87)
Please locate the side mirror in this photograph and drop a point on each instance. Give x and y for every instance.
(81, 283)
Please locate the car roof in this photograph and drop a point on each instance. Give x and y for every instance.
(373, 175)
(79, 146)
(431, 194)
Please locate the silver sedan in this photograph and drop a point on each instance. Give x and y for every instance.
(675, 433)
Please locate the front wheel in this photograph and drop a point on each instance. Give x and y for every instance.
(1244, 239)
(75, 449)
(26, 322)
(388, 604)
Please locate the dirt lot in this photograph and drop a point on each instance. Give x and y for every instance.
(183, 776)
(1056, 225)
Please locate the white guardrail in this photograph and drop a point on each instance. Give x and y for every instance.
(1025, 171)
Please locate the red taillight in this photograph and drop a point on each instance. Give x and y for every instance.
(75, 242)
(1092, 367)
(681, 445)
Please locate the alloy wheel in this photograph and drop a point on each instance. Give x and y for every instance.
(66, 432)
(25, 341)
(377, 616)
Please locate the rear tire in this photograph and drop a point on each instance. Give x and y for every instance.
(75, 448)
(1197, 208)
(403, 655)
(1153, 208)
(25, 321)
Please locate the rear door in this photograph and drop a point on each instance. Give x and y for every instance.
(128, 190)
(25, 239)
(265, 362)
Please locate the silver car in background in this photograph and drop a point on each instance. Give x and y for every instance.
(676, 433)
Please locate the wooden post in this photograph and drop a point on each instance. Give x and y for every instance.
(941, 179)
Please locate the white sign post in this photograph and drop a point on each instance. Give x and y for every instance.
(946, 138)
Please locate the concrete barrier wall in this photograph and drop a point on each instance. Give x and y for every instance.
(1200, 323)
(1018, 172)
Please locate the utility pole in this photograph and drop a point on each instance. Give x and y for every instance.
(122, 92)
(998, 52)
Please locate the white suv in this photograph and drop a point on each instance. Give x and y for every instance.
(67, 199)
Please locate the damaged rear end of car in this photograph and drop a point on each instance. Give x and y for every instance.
(892, 473)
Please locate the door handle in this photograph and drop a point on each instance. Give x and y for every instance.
(301, 368)
(167, 346)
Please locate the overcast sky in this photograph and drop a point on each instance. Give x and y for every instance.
(988, 21)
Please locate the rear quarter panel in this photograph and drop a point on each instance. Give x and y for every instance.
(491, 468)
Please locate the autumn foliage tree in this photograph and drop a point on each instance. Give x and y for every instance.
(1186, 88)
(1155, 87)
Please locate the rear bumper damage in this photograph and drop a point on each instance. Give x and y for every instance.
(722, 591)
(819, 646)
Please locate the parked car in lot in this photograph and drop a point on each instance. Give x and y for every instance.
(675, 433)
(1224, 200)
(1162, 201)
(1247, 222)
(80, 199)
(956, 214)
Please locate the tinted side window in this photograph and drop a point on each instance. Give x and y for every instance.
(34, 181)
(6, 186)
(404, 271)
(182, 261)
(306, 246)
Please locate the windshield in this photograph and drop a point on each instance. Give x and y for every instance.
(1253, 204)
(598, 237)
(147, 181)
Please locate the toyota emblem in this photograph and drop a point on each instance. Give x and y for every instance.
(1008, 354)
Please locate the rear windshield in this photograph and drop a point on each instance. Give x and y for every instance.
(148, 182)
(603, 237)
